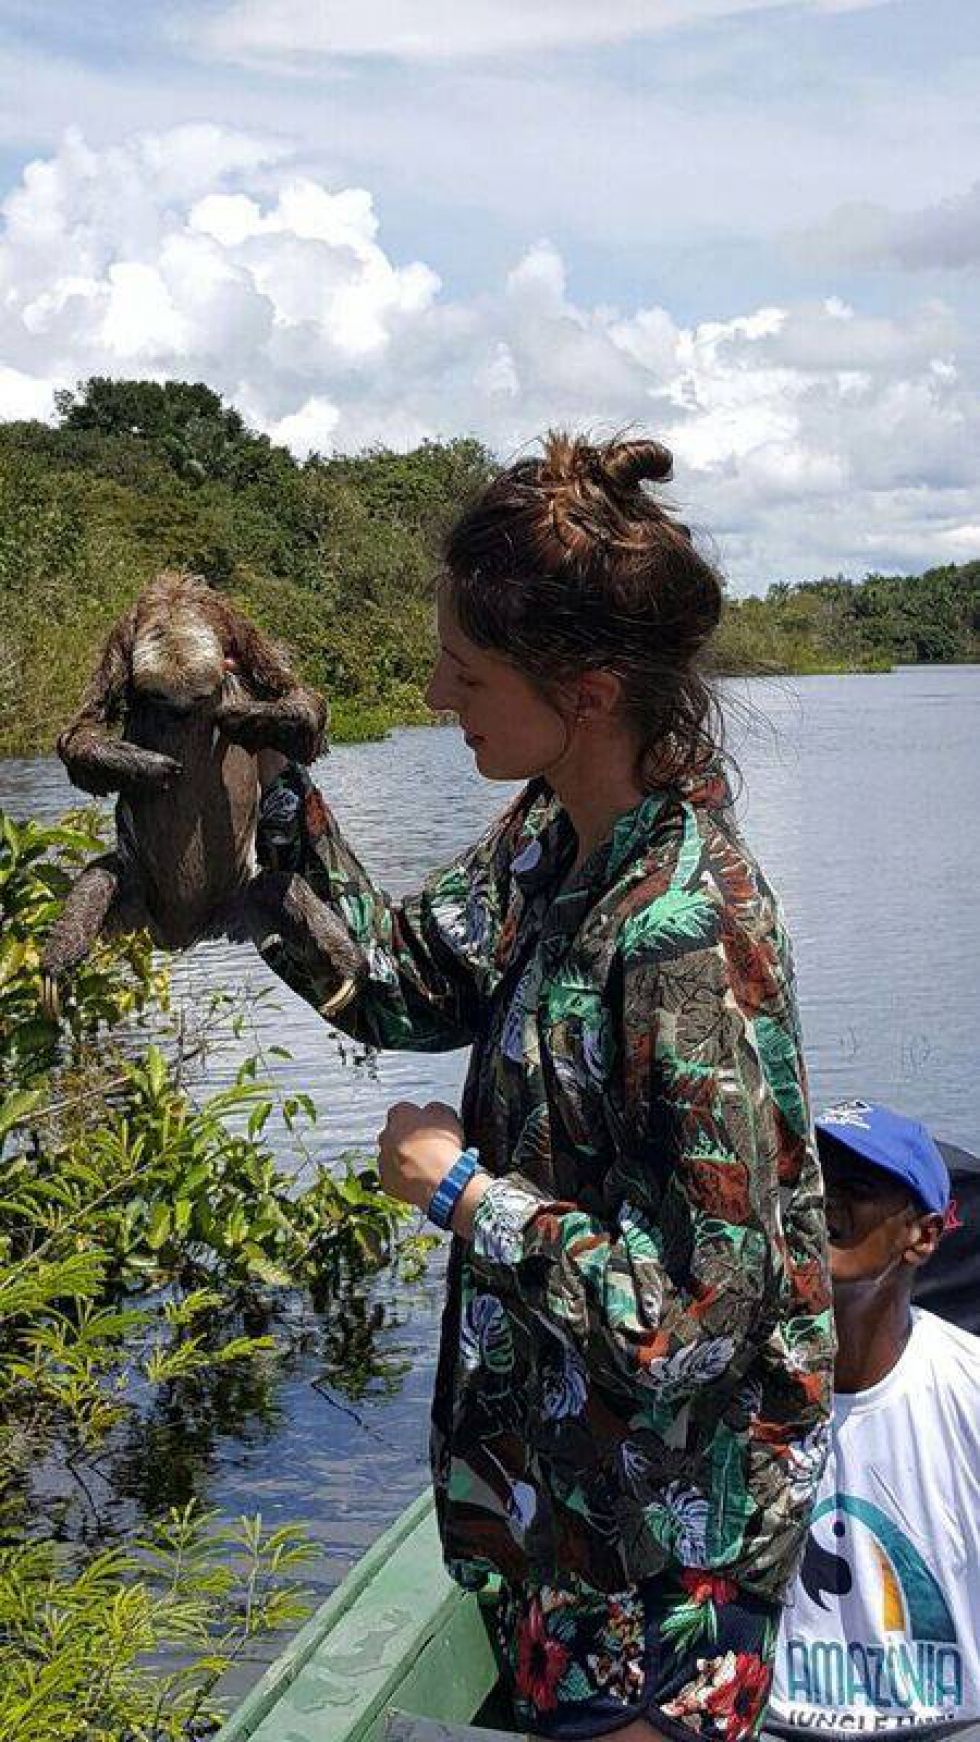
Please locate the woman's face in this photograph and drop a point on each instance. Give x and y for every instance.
(512, 731)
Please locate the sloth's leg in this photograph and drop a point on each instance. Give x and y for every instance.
(128, 912)
(292, 928)
(79, 923)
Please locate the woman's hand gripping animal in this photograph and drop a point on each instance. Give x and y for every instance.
(198, 692)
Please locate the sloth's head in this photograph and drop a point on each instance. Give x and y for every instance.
(179, 654)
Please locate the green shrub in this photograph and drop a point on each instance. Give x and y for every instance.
(153, 1252)
(84, 1653)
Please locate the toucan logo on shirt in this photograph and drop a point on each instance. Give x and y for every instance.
(915, 1663)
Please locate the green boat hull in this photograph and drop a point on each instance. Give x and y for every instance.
(396, 1653)
(397, 1633)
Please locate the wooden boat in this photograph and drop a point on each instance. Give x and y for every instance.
(395, 1654)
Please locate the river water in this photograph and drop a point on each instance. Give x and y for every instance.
(861, 798)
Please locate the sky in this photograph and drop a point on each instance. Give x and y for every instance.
(750, 229)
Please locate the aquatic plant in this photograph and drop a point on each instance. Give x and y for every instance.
(76, 1644)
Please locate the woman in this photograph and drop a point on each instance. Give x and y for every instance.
(630, 1407)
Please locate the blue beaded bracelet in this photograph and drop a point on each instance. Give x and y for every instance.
(451, 1188)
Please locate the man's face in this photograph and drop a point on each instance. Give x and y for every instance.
(875, 1225)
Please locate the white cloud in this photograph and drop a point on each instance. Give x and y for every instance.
(314, 256)
(23, 395)
(669, 151)
(310, 429)
(809, 437)
(944, 235)
(960, 543)
(423, 30)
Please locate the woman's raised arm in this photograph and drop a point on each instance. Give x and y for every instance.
(430, 957)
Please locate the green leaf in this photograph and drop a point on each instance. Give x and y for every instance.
(273, 1275)
(236, 1227)
(159, 1227)
(15, 1108)
(155, 1069)
(258, 1117)
(240, 1348)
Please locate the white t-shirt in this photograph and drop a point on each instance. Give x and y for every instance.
(882, 1627)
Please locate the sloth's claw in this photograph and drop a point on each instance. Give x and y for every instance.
(295, 931)
(50, 997)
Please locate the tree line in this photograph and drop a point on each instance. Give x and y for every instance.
(335, 555)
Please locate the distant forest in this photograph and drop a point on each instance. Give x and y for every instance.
(334, 555)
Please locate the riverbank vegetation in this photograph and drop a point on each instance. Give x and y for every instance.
(158, 1271)
(334, 555)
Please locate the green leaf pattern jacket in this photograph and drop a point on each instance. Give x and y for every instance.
(636, 1355)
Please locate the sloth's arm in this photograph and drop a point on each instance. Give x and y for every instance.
(277, 713)
(100, 764)
(96, 760)
(293, 724)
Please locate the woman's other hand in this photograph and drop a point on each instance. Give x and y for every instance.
(417, 1148)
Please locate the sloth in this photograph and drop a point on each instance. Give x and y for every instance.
(198, 692)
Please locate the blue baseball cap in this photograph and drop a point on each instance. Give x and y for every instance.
(896, 1145)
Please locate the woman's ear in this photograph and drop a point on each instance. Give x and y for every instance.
(599, 694)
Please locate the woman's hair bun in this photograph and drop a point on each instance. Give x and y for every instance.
(625, 464)
(569, 462)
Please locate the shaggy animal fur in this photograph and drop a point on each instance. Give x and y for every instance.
(197, 691)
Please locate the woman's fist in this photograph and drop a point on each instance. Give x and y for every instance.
(417, 1147)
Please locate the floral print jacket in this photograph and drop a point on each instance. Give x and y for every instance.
(636, 1355)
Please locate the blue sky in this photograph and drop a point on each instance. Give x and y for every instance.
(752, 228)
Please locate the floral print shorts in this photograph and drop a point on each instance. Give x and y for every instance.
(693, 1657)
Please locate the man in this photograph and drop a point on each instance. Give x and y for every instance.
(882, 1628)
